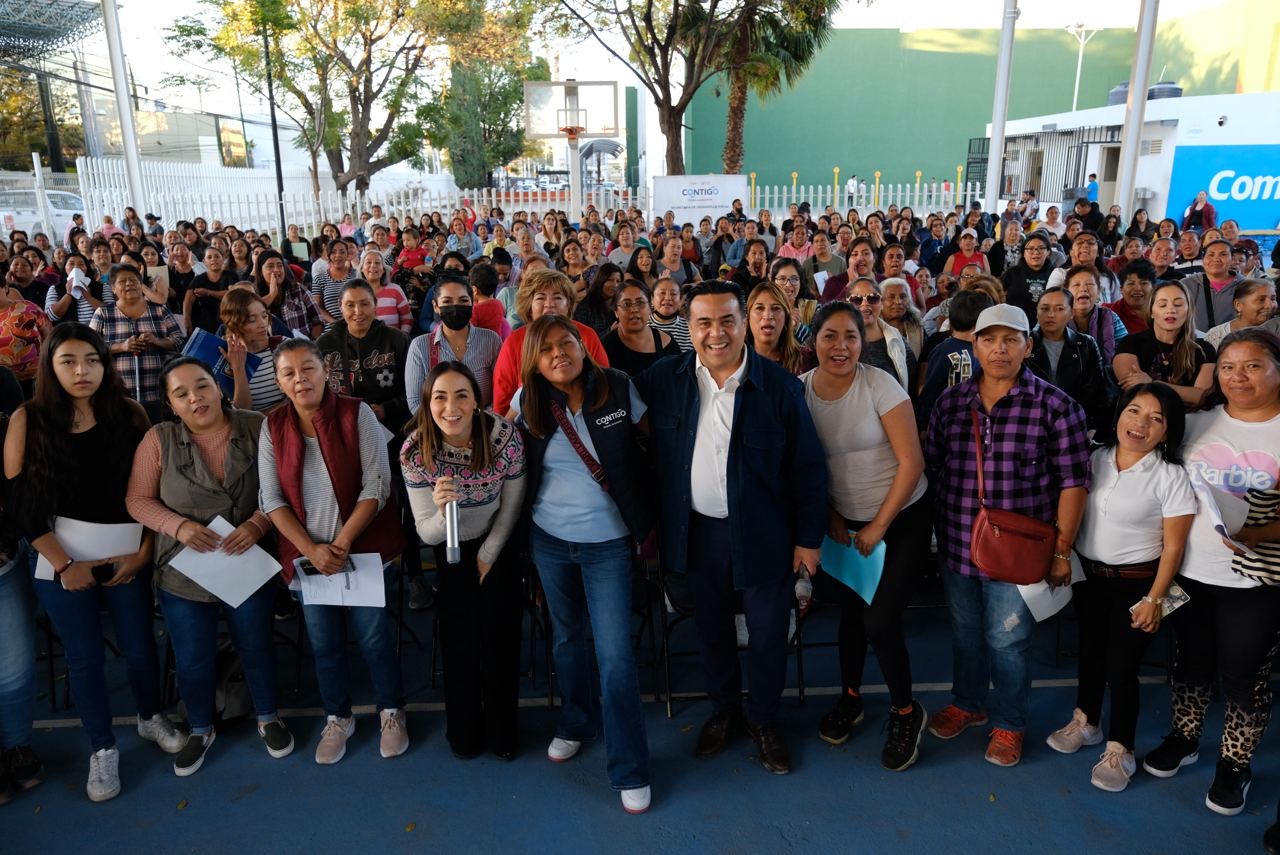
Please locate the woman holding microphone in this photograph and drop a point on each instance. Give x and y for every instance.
(457, 452)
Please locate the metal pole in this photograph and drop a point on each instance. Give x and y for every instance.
(275, 131)
(1135, 109)
(1000, 105)
(124, 104)
(1075, 93)
(52, 141)
(575, 161)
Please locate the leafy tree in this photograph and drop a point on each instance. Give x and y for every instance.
(675, 46)
(351, 73)
(23, 130)
(773, 45)
(478, 119)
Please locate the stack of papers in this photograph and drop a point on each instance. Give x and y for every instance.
(363, 585)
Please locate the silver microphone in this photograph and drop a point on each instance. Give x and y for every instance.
(452, 549)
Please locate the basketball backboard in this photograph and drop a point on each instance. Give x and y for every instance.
(551, 106)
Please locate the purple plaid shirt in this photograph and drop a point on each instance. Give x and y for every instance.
(1035, 446)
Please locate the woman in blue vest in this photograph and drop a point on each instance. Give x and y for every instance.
(588, 500)
(326, 484)
(186, 473)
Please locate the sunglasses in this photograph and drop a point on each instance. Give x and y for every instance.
(869, 299)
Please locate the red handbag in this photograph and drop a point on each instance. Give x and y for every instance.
(1006, 545)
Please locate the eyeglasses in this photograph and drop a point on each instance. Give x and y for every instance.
(1036, 248)
(786, 280)
(870, 299)
(629, 305)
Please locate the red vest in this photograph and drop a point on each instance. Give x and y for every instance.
(338, 432)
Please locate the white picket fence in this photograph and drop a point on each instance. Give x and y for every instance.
(247, 198)
(921, 198)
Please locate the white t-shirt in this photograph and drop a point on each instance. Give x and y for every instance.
(860, 460)
(1124, 517)
(1243, 459)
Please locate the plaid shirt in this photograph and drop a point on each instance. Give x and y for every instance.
(1035, 446)
(297, 308)
(114, 327)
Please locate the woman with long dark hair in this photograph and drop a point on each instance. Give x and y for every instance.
(1130, 544)
(877, 485)
(587, 499)
(68, 452)
(1167, 351)
(285, 296)
(595, 308)
(457, 452)
(186, 473)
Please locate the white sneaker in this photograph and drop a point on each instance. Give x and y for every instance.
(1077, 732)
(104, 775)
(561, 750)
(333, 740)
(162, 732)
(636, 800)
(1115, 769)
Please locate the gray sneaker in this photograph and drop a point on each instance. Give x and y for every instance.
(162, 732)
(104, 775)
(1116, 768)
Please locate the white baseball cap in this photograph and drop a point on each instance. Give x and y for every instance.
(970, 232)
(1002, 315)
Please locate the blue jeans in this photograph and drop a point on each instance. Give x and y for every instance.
(17, 652)
(991, 630)
(592, 581)
(76, 619)
(327, 629)
(193, 629)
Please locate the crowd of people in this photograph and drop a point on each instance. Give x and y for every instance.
(715, 398)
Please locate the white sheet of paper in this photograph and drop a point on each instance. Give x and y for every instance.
(820, 280)
(1225, 512)
(363, 586)
(230, 578)
(1045, 601)
(85, 541)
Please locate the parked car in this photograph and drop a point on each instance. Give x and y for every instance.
(20, 211)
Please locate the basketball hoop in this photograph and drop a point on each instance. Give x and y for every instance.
(571, 132)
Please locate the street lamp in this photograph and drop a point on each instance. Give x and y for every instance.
(1083, 35)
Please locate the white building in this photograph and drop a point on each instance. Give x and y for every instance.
(1226, 145)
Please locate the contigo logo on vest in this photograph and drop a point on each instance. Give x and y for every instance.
(609, 419)
(1244, 187)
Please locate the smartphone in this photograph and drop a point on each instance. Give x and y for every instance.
(103, 573)
(305, 565)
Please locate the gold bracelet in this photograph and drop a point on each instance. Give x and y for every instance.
(1060, 557)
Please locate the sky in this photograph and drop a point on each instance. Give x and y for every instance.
(143, 23)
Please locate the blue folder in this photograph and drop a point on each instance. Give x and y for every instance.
(206, 346)
(847, 564)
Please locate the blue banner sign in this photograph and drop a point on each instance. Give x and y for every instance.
(1243, 182)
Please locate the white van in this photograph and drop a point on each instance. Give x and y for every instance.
(20, 211)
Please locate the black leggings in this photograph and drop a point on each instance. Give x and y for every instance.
(1230, 633)
(480, 643)
(880, 623)
(1111, 651)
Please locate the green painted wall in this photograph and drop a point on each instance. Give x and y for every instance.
(898, 102)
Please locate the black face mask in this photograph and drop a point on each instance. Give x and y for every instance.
(670, 317)
(456, 317)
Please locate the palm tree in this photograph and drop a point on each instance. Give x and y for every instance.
(774, 42)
